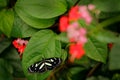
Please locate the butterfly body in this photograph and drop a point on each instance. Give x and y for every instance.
(45, 65)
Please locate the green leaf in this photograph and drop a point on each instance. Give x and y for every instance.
(21, 29)
(114, 57)
(4, 70)
(6, 21)
(5, 43)
(71, 3)
(64, 54)
(41, 45)
(33, 21)
(42, 9)
(62, 37)
(96, 50)
(105, 36)
(107, 6)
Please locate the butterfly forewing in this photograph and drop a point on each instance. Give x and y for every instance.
(45, 64)
(34, 67)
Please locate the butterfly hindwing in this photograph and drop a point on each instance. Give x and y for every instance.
(45, 64)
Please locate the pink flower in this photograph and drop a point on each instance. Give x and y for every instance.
(91, 7)
(76, 51)
(72, 32)
(82, 36)
(63, 24)
(76, 33)
(85, 14)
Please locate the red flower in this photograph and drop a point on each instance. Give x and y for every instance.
(76, 51)
(15, 43)
(74, 13)
(110, 45)
(21, 49)
(20, 45)
(63, 23)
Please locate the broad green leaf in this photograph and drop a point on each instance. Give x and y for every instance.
(4, 70)
(34, 22)
(96, 50)
(5, 43)
(105, 36)
(114, 57)
(107, 6)
(62, 37)
(64, 54)
(6, 21)
(71, 3)
(21, 29)
(42, 9)
(42, 45)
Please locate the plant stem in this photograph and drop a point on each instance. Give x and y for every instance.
(105, 23)
(93, 69)
(109, 21)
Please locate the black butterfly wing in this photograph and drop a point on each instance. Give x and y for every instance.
(44, 65)
(51, 63)
(34, 67)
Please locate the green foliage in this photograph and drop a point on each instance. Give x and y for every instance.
(115, 56)
(6, 21)
(105, 36)
(42, 45)
(12, 57)
(104, 15)
(96, 50)
(21, 29)
(43, 9)
(34, 21)
(5, 43)
(62, 37)
(38, 22)
(3, 3)
(5, 73)
(98, 78)
(107, 6)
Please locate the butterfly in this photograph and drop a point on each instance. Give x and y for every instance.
(45, 65)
